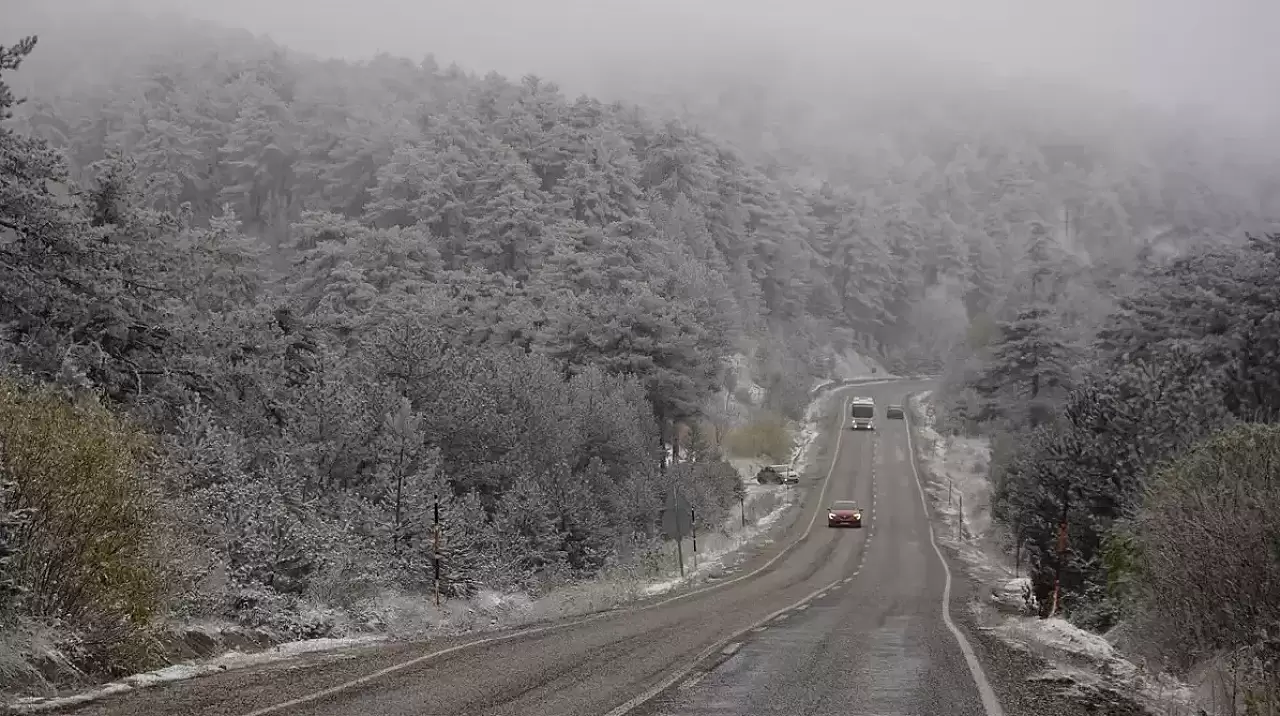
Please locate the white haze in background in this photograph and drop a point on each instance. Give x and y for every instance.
(1218, 53)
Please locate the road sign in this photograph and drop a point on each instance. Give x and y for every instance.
(677, 516)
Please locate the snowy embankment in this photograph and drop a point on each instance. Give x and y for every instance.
(1088, 665)
(762, 509)
(216, 648)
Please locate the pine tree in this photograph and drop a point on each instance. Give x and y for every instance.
(1029, 368)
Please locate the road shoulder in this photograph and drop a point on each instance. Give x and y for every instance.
(1034, 666)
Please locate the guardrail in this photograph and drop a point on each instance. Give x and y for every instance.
(864, 381)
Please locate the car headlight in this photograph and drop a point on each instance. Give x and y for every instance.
(831, 515)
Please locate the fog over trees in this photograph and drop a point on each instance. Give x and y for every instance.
(264, 301)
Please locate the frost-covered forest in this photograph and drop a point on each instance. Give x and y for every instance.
(1134, 458)
(310, 296)
(1130, 391)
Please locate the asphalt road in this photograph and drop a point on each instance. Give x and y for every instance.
(876, 646)
(847, 621)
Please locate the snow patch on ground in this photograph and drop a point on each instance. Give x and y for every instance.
(1084, 663)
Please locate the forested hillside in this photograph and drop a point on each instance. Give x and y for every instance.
(1117, 342)
(326, 295)
(316, 295)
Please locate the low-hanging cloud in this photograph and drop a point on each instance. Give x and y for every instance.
(1208, 52)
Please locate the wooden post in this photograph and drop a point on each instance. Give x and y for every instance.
(435, 548)
(693, 532)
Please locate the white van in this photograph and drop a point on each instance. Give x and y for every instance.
(862, 411)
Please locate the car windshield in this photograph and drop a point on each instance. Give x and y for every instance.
(863, 410)
(844, 505)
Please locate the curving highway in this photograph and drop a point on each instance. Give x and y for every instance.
(824, 621)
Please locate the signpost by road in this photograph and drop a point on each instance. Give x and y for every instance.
(677, 521)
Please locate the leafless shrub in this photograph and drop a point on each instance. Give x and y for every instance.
(1207, 554)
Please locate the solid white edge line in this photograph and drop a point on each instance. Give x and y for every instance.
(348, 685)
(990, 703)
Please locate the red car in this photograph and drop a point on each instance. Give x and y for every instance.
(844, 513)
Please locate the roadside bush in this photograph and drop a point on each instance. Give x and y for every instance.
(766, 435)
(83, 560)
(1206, 550)
(12, 518)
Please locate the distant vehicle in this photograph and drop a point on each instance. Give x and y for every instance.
(863, 412)
(844, 513)
(894, 412)
(777, 475)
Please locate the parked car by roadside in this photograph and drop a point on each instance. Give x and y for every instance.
(777, 475)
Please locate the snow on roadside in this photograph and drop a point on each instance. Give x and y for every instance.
(717, 549)
(714, 560)
(1085, 663)
(956, 479)
(190, 670)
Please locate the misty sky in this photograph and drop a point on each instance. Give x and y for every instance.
(1203, 51)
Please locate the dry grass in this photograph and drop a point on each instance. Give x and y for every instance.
(766, 435)
(86, 558)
